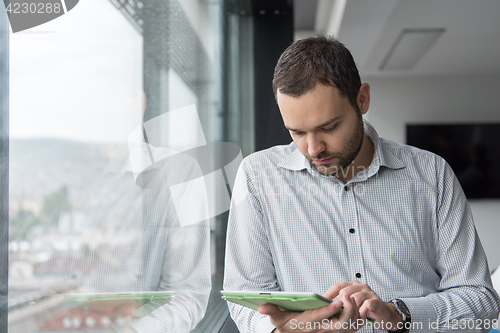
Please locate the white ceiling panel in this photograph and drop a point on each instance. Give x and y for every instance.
(469, 46)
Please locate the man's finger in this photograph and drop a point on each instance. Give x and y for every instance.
(269, 309)
(361, 297)
(334, 290)
(350, 311)
(350, 314)
(322, 313)
(357, 288)
(364, 311)
(370, 308)
(374, 305)
(278, 317)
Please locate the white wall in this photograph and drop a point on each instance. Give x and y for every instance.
(396, 101)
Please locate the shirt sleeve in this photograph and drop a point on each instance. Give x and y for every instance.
(176, 255)
(186, 270)
(248, 263)
(466, 300)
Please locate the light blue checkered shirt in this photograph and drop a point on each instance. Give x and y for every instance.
(403, 226)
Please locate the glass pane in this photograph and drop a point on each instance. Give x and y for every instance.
(117, 170)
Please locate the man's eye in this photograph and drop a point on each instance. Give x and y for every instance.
(298, 133)
(329, 129)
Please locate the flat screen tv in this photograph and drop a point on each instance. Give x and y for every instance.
(472, 150)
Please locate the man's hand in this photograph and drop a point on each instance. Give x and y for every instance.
(318, 320)
(369, 303)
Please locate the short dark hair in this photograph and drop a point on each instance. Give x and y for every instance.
(317, 59)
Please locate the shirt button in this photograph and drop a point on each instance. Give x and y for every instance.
(358, 275)
(352, 230)
(346, 188)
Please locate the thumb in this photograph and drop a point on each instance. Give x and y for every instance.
(324, 312)
(269, 309)
(278, 317)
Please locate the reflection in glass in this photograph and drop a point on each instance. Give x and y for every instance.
(85, 232)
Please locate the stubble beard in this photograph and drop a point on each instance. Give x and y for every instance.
(345, 158)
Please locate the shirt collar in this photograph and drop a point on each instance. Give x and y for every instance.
(382, 156)
(295, 160)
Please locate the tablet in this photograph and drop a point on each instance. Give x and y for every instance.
(140, 302)
(89, 312)
(142, 296)
(285, 301)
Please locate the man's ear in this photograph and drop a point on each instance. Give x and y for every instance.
(363, 98)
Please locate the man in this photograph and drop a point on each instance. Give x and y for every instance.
(175, 252)
(384, 228)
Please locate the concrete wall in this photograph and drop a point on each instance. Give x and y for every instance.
(396, 101)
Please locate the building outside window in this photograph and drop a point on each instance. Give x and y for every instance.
(122, 126)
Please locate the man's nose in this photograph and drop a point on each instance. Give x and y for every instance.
(315, 145)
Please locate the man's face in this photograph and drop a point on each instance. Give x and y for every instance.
(324, 126)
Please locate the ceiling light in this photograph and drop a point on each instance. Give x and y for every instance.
(409, 48)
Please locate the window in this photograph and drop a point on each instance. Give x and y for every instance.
(115, 183)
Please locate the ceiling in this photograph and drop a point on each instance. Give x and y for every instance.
(470, 44)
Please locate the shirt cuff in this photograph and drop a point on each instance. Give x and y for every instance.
(423, 314)
(265, 325)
